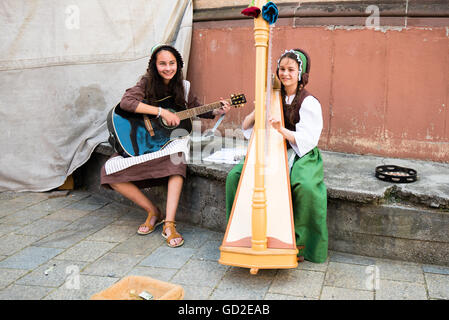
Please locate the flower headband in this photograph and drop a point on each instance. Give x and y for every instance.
(300, 58)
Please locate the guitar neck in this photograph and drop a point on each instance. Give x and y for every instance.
(190, 113)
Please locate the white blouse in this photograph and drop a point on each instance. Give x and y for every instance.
(307, 130)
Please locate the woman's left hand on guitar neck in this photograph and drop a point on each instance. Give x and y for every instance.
(224, 108)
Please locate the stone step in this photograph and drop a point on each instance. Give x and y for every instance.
(366, 216)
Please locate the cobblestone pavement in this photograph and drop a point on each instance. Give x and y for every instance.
(75, 245)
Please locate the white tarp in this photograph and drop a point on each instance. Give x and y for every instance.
(63, 65)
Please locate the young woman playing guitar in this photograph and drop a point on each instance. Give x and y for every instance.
(163, 78)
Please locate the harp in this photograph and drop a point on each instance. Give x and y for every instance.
(260, 232)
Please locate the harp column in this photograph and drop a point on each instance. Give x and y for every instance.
(259, 201)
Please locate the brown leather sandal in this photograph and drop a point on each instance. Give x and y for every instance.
(170, 225)
(148, 225)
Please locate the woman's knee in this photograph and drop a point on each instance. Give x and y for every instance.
(114, 186)
(304, 188)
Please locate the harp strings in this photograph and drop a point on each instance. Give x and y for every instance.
(269, 87)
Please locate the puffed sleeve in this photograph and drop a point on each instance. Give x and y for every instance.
(308, 129)
(133, 96)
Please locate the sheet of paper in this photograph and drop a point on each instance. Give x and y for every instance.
(227, 155)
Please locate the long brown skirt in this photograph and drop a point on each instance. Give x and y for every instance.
(147, 174)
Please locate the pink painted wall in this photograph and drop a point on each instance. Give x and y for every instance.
(382, 92)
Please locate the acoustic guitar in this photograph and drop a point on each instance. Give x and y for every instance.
(135, 134)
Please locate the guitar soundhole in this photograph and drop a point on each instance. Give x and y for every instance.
(166, 125)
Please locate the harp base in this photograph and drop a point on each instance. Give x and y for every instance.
(258, 259)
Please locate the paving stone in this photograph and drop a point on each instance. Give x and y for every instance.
(435, 269)
(29, 258)
(137, 216)
(209, 251)
(6, 229)
(42, 227)
(400, 290)
(240, 278)
(163, 274)
(90, 224)
(307, 265)
(87, 251)
(88, 286)
(12, 243)
(18, 292)
(114, 233)
(8, 276)
(237, 294)
(112, 209)
(194, 273)
(105, 214)
(302, 283)
(135, 223)
(214, 235)
(24, 217)
(333, 293)
(8, 207)
(51, 205)
(165, 257)
(94, 240)
(277, 296)
(196, 292)
(51, 274)
(438, 286)
(350, 258)
(31, 198)
(112, 265)
(141, 245)
(89, 203)
(349, 276)
(400, 271)
(63, 238)
(192, 238)
(76, 195)
(67, 214)
(19, 203)
(8, 195)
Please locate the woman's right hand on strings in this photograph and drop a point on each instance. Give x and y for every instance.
(170, 118)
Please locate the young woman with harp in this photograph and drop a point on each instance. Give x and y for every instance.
(302, 129)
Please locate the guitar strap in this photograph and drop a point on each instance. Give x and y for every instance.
(148, 125)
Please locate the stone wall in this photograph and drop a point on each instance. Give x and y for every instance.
(383, 90)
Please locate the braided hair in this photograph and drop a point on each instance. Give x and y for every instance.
(295, 54)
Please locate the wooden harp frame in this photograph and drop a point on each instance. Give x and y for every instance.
(263, 199)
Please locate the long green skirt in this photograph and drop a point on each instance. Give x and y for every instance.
(309, 198)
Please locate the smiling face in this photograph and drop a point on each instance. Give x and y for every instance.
(289, 72)
(166, 65)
